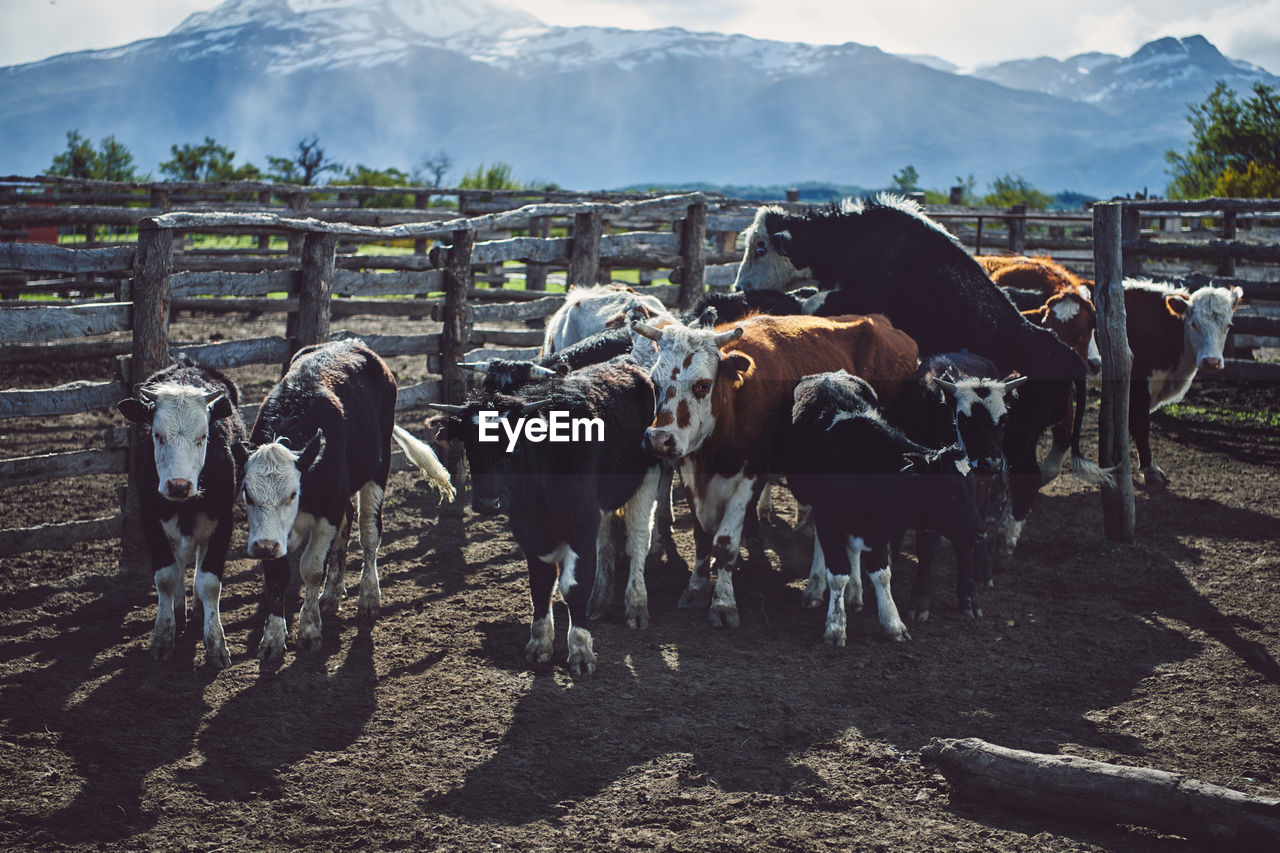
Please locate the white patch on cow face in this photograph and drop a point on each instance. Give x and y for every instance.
(272, 488)
(1095, 355)
(1206, 322)
(983, 393)
(179, 436)
(1065, 309)
(762, 266)
(684, 376)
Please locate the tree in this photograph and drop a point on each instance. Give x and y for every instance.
(111, 161)
(209, 161)
(304, 167)
(495, 177)
(1234, 149)
(1008, 190)
(907, 180)
(363, 176)
(436, 166)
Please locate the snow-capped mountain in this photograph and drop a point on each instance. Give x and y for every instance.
(383, 82)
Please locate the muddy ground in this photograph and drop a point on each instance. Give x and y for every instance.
(427, 729)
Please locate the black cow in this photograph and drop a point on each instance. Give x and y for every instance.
(885, 256)
(867, 483)
(560, 497)
(502, 375)
(732, 306)
(322, 435)
(960, 397)
(188, 490)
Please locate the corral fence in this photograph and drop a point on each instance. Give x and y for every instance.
(473, 266)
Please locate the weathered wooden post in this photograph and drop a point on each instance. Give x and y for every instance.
(693, 254)
(1018, 229)
(420, 202)
(1117, 360)
(535, 274)
(1130, 231)
(584, 257)
(316, 291)
(454, 340)
(264, 240)
(152, 294)
(1227, 266)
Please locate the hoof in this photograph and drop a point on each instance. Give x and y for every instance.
(536, 651)
(269, 653)
(309, 643)
(971, 608)
(582, 665)
(368, 610)
(1154, 478)
(811, 598)
(215, 655)
(695, 599)
(898, 633)
(638, 616)
(834, 637)
(723, 616)
(161, 652)
(329, 605)
(920, 613)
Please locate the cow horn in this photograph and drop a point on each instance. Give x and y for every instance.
(145, 394)
(448, 408)
(539, 370)
(210, 396)
(1010, 384)
(950, 386)
(536, 406)
(731, 335)
(477, 366)
(650, 332)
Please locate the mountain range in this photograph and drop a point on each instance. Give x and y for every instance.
(384, 82)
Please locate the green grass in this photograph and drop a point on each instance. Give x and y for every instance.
(1218, 415)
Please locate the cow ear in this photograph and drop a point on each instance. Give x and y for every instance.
(781, 243)
(1178, 304)
(561, 368)
(1237, 293)
(735, 366)
(135, 410)
(220, 408)
(914, 463)
(707, 319)
(312, 453)
(240, 452)
(443, 427)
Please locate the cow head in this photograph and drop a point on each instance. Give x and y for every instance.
(689, 364)
(1070, 315)
(179, 417)
(503, 375)
(273, 490)
(1206, 317)
(947, 493)
(982, 414)
(492, 466)
(767, 260)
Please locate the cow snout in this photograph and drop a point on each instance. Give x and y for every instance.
(178, 489)
(487, 505)
(265, 549)
(1095, 366)
(1211, 363)
(660, 442)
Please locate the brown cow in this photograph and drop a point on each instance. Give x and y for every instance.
(724, 399)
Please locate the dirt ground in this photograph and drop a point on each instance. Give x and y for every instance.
(427, 730)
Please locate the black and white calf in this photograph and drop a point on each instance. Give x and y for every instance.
(188, 490)
(867, 483)
(323, 434)
(561, 497)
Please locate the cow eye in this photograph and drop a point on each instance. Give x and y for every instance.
(761, 249)
(200, 440)
(248, 499)
(159, 438)
(702, 387)
(292, 497)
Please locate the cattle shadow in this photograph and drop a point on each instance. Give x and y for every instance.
(1074, 626)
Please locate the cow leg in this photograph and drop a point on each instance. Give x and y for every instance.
(853, 592)
(816, 587)
(1051, 465)
(764, 506)
(922, 593)
(839, 570)
(311, 567)
(335, 582)
(210, 562)
(662, 540)
(575, 564)
(966, 589)
(170, 599)
(276, 574)
(542, 632)
(1140, 427)
(606, 551)
(880, 578)
(728, 542)
(639, 523)
(371, 496)
(697, 595)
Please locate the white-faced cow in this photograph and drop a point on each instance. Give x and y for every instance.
(724, 404)
(885, 256)
(588, 311)
(188, 490)
(561, 496)
(867, 483)
(1173, 334)
(323, 434)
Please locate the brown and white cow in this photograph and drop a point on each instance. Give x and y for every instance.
(1172, 334)
(724, 399)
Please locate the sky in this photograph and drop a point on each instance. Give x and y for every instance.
(968, 34)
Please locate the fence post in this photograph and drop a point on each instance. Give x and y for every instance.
(264, 240)
(153, 267)
(1117, 360)
(297, 204)
(1227, 266)
(1130, 231)
(316, 290)
(535, 274)
(584, 258)
(1018, 229)
(693, 254)
(420, 201)
(453, 344)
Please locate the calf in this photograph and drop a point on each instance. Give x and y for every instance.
(1172, 334)
(323, 434)
(867, 483)
(188, 490)
(561, 498)
(724, 403)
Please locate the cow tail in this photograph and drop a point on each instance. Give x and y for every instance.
(421, 455)
(1081, 467)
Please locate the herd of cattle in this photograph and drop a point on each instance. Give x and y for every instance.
(895, 382)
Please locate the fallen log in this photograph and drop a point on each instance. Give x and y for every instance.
(1082, 789)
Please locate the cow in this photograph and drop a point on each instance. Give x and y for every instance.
(723, 413)
(561, 497)
(732, 306)
(961, 397)
(590, 310)
(867, 483)
(1172, 334)
(884, 255)
(509, 375)
(323, 435)
(188, 484)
